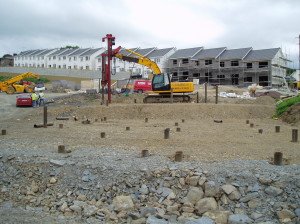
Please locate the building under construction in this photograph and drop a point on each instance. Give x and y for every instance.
(221, 66)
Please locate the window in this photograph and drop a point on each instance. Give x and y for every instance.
(87, 58)
(42, 57)
(222, 64)
(81, 58)
(196, 75)
(75, 58)
(69, 67)
(43, 65)
(175, 74)
(70, 58)
(197, 63)
(221, 76)
(54, 57)
(248, 79)
(49, 66)
(38, 58)
(87, 67)
(99, 60)
(59, 66)
(64, 66)
(99, 68)
(157, 60)
(49, 58)
(234, 63)
(81, 67)
(64, 57)
(75, 66)
(59, 58)
(54, 65)
(208, 62)
(174, 62)
(263, 64)
(185, 61)
(249, 65)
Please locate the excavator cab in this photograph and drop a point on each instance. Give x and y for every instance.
(161, 82)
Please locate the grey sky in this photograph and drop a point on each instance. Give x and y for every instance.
(36, 24)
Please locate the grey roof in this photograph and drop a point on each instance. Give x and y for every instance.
(45, 52)
(186, 53)
(79, 52)
(159, 52)
(27, 53)
(126, 53)
(265, 54)
(90, 52)
(37, 52)
(240, 53)
(55, 53)
(68, 51)
(209, 53)
(143, 52)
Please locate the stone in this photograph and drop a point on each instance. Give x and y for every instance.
(122, 203)
(153, 220)
(274, 191)
(265, 181)
(64, 206)
(202, 180)
(138, 221)
(249, 197)
(219, 217)
(194, 195)
(194, 180)
(146, 211)
(239, 219)
(256, 215)
(57, 162)
(89, 210)
(144, 189)
(203, 220)
(235, 195)
(285, 213)
(228, 188)
(53, 180)
(211, 189)
(164, 191)
(224, 199)
(205, 204)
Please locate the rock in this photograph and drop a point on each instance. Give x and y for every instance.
(164, 191)
(153, 220)
(203, 220)
(224, 199)
(64, 207)
(89, 210)
(285, 213)
(194, 195)
(205, 204)
(239, 219)
(228, 188)
(57, 162)
(249, 197)
(265, 181)
(274, 191)
(219, 217)
(202, 180)
(122, 203)
(138, 221)
(144, 189)
(211, 189)
(256, 215)
(194, 180)
(53, 180)
(146, 211)
(235, 195)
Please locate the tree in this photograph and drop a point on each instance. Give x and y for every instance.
(69, 47)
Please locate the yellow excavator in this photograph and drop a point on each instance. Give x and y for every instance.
(16, 85)
(161, 82)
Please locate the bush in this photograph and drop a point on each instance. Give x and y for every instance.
(284, 105)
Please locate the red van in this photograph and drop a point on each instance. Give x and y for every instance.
(142, 86)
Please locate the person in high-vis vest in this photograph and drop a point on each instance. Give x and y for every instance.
(33, 98)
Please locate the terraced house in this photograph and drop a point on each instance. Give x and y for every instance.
(218, 66)
(242, 66)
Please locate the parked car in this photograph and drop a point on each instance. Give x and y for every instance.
(23, 100)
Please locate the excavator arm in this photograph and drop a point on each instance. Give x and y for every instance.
(19, 78)
(140, 59)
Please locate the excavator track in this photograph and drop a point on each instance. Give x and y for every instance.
(167, 99)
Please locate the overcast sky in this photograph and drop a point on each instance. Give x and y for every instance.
(261, 24)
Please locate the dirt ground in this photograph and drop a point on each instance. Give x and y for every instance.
(208, 131)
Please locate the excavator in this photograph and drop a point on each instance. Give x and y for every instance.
(161, 82)
(15, 84)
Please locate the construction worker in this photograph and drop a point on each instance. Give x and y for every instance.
(34, 99)
(42, 98)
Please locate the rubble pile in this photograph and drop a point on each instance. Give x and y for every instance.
(112, 186)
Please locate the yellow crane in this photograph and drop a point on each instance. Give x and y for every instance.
(15, 84)
(161, 82)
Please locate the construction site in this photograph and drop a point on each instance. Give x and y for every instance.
(219, 155)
